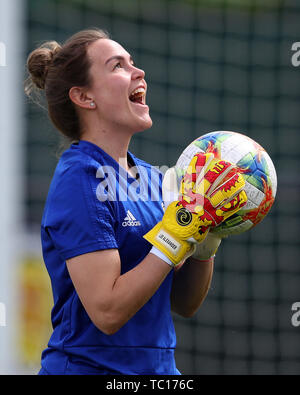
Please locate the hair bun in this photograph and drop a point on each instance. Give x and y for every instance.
(39, 60)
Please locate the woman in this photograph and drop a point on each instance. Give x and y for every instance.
(113, 291)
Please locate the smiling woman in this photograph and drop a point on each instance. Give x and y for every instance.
(114, 82)
(112, 289)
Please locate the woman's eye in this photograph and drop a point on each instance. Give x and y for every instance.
(117, 66)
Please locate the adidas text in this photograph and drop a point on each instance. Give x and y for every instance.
(131, 223)
(130, 220)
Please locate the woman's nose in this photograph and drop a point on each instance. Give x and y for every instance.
(138, 73)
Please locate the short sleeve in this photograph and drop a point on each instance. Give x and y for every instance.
(74, 219)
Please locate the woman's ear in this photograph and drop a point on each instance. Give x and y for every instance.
(80, 97)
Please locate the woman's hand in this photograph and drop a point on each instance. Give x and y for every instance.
(210, 192)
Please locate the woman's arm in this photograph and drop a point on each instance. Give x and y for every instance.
(110, 298)
(191, 283)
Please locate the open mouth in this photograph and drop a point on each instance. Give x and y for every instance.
(138, 96)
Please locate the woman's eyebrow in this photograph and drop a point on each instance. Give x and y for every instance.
(118, 57)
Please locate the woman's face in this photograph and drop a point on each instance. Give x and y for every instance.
(118, 87)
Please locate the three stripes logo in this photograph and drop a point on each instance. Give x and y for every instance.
(130, 220)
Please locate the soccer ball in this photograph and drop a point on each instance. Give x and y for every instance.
(253, 163)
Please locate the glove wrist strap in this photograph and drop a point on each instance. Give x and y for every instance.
(161, 255)
(169, 245)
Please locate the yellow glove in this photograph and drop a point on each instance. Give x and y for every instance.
(209, 246)
(211, 191)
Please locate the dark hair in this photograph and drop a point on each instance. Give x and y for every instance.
(56, 69)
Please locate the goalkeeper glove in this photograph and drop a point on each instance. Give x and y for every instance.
(211, 191)
(209, 246)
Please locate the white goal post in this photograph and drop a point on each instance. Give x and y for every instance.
(12, 49)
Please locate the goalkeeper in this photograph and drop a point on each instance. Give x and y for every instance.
(117, 265)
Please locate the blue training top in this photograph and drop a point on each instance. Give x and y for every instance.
(93, 204)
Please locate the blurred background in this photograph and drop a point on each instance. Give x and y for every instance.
(210, 65)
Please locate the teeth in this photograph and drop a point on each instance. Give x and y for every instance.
(137, 91)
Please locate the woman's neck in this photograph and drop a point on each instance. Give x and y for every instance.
(114, 144)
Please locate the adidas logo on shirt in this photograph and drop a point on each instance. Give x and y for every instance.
(130, 220)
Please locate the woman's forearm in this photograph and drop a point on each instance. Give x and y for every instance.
(134, 288)
(191, 283)
(109, 297)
